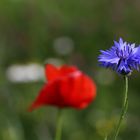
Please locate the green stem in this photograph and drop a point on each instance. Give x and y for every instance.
(59, 125)
(124, 108)
(106, 137)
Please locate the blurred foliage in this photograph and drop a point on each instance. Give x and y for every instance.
(28, 33)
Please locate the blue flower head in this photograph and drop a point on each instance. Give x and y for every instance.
(122, 57)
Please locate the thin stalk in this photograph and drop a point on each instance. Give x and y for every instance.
(106, 137)
(59, 125)
(124, 108)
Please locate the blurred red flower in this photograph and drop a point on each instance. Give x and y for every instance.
(66, 87)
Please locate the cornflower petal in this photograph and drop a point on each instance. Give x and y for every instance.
(123, 57)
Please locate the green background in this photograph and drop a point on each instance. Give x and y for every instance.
(29, 30)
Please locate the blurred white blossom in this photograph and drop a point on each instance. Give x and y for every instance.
(25, 73)
(63, 45)
(54, 61)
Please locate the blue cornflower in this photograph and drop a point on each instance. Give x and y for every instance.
(122, 57)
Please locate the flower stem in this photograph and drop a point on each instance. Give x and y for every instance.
(124, 108)
(106, 137)
(59, 125)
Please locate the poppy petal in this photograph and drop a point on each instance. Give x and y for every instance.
(51, 72)
(67, 87)
(65, 70)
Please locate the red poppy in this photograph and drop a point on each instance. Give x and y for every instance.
(66, 87)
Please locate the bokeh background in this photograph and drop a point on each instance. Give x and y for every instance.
(35, 32)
